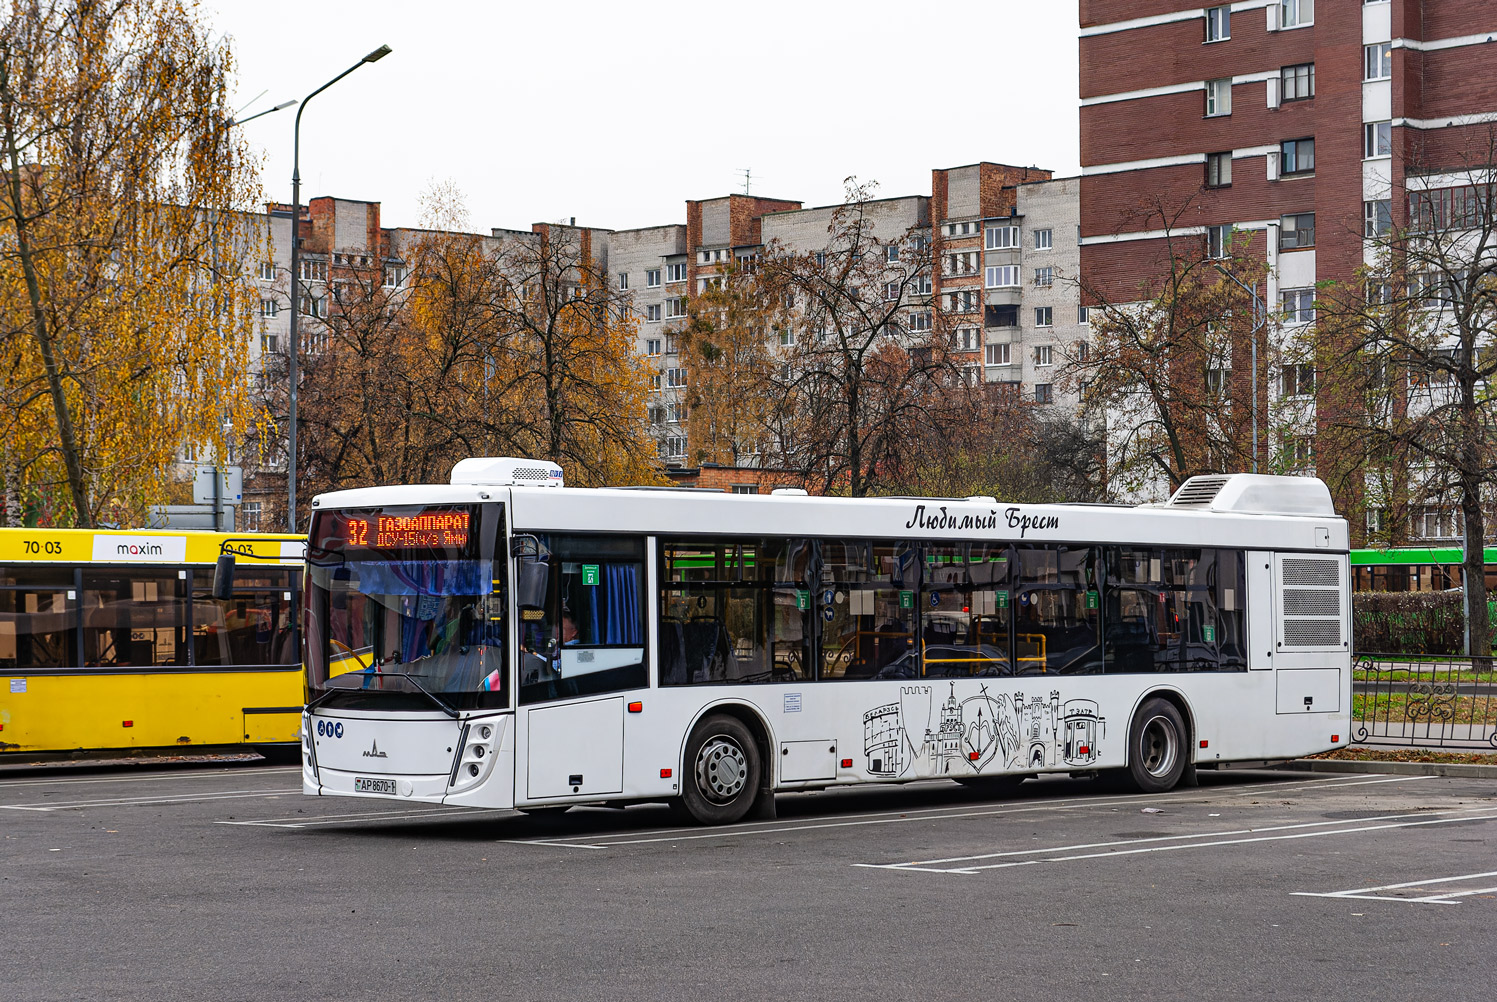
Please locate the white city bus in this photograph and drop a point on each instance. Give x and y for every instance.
(504, 641)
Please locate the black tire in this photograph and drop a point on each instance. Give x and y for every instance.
(1156, 747)
(1003, 785)
(720, 778)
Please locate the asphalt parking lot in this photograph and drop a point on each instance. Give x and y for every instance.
(226, 883)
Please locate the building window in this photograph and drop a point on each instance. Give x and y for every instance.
(267, 271)
(962, 264)
(1042, 239)
(1298, 305)
(675, 272)
(1377, 61)
(314, 306)
(267, 344)
(652, 346)
(675, 378)
(966, 229)
(1044, 393)
(268, 307)
(1293, 13)
(1297, 379)
(1297, 156)
(998, 354)
(674, 447)
(1044, 316)
(652, 313)
(1437, 523)
(675, 307)
(1219, 241)
(891, 291)
(1082, 316)
(891, 253)
(1003, 276)
(1219, 169)
(962, 302)
(670, 344)
(1044, 354)
(623, 280)
(1297, 231)
(1002, 237)
(1377, 217)
(312, 271)
(922, 285)
(1299, 450)
(1297, 81)
(787, 337)
(965, 339)
(675, 413)
(1218, 97)
(1044, 276)
(652, 278)
(251, 512)
(919, 321)
(1218, 23)
(1377, 139)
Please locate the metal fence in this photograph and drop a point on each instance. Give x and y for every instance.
(1443, 702)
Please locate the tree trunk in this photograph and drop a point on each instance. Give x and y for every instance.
(68, 440)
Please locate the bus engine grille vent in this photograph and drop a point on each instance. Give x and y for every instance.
(1198, 491)
(1310, 603)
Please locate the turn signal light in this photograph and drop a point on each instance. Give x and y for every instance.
(847, 763)
(636, 707)
(665, 774)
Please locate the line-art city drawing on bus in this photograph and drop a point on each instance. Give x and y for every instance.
(973, 732)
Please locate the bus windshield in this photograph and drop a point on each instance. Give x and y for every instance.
(407, 598)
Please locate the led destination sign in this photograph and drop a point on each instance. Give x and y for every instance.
(423, 529)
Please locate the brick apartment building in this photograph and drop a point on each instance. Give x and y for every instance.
(1302, 123)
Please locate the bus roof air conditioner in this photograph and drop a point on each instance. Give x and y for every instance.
(507, 471)
(1255, 494)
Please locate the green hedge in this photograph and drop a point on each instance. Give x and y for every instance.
(1408, 622)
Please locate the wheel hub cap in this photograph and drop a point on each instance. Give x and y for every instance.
(722, 769)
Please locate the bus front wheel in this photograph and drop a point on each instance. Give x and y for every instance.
(722, 771)
(1156, 747)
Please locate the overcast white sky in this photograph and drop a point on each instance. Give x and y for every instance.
(617, 112)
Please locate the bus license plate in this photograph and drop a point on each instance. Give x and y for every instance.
(363, 784)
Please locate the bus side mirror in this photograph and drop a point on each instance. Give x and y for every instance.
(530, 589)
(223, 577)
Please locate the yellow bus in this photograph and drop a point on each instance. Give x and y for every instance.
(112, 641)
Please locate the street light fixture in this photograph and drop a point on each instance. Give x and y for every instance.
(1260, 317)
(295, 346)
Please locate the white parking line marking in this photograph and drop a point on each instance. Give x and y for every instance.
(1366, 893)
(156, 777)
(1344, 828)
(435, 811)
(74, 805)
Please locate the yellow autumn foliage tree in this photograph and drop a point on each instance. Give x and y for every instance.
(124, 320)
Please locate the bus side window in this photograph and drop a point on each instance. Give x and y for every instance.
(134, 617)
(1057, 614)
(38, 619)
(965, 614)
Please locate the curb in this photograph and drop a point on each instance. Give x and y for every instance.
(1462, 770)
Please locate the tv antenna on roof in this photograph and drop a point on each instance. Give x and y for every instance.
(748, 178)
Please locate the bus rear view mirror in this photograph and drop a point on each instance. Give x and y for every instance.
(530, 589)
(223, 577)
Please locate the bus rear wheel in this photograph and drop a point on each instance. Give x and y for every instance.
(722, 771)
(1156, 747)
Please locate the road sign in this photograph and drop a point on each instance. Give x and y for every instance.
(230, 484)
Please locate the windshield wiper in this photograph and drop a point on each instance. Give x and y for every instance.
(329, 692)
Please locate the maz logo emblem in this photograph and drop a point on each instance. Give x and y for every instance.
(374, 751)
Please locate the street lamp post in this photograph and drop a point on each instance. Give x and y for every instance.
(1260, 317)
(295, 346)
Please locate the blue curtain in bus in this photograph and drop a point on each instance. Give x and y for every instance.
(623, 625)
(423, 577)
